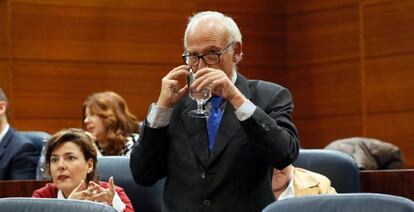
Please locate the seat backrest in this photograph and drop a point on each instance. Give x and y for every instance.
(39, 138)
(143, 198)
(337, 166)
(51, 205)
(357, 202)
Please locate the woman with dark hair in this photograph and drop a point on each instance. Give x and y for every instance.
(107, 117)
(71, 161)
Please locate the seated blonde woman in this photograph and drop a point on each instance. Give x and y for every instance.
(71, 161)
(294, 182)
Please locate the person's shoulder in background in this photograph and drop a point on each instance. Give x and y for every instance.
(306, 182)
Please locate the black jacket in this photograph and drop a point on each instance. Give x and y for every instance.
(237, 175)
(18, 157)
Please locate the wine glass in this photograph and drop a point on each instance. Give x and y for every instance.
(200, 97)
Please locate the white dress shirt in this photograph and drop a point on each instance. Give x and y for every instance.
(288, 192)
(4, 132)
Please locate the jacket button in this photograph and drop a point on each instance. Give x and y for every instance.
(207, 203)
(203, 176)
(265, 127)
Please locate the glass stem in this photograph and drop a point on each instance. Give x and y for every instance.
(200, 106)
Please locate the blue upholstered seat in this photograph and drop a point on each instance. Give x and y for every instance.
(356, 202)
(337, 166)
(143, 198)
(39, 138)
(51, 205)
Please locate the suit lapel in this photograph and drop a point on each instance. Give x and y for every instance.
(196, 132)
(229, 124)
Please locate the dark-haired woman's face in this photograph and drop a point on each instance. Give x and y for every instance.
(68, 167)
(94, 124)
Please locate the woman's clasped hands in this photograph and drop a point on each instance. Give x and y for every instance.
(94, 192)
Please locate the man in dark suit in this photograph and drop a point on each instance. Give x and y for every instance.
(18, 155)
(229, 171)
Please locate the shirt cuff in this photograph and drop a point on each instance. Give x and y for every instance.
(117, 203)
(245, 111)
(159, 117)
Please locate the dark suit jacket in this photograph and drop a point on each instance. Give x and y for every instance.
(18, 157)
(237, 175)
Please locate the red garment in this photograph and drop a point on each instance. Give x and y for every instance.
(50, 191)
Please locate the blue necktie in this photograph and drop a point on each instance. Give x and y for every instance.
(214, 120)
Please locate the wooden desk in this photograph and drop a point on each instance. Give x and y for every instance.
(19, 188)
(398, 182)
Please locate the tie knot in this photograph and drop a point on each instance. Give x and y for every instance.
(216, 101)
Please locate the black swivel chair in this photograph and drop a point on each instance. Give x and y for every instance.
(357, 202)
(51, 205)
(144, 199)
(339, 167)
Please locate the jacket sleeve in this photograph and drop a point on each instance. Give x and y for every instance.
(148, 160)
(271, 127)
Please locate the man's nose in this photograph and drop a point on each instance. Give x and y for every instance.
(202, 64)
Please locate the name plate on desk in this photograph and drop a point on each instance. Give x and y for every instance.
(398, 182)
(20, 188)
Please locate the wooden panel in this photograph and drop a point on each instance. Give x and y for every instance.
(127, 35)
(395, 128)
(322, 36)
(296, 6)
(57, 90)
(4, 30)
(388, 27)
(96, 34)
(390, 83)
(316, 133)
(268, 73)
(402, 182)
(158, 5)
(263, 38)
(257, 7)
(4, 75)
(19, 188)
(49, 125)
(326, 89)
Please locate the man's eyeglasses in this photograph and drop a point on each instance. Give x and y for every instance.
(209, 59)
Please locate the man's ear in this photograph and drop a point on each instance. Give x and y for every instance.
(3, 107)
(237, 52)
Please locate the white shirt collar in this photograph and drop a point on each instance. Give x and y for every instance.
(4, 132)
(60, 195)
(234, 77)
(288, 192)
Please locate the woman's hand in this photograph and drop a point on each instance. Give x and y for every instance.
(81, 192)
(100, 194)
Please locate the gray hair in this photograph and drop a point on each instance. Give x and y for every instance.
(3, 96)
(226, 24)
